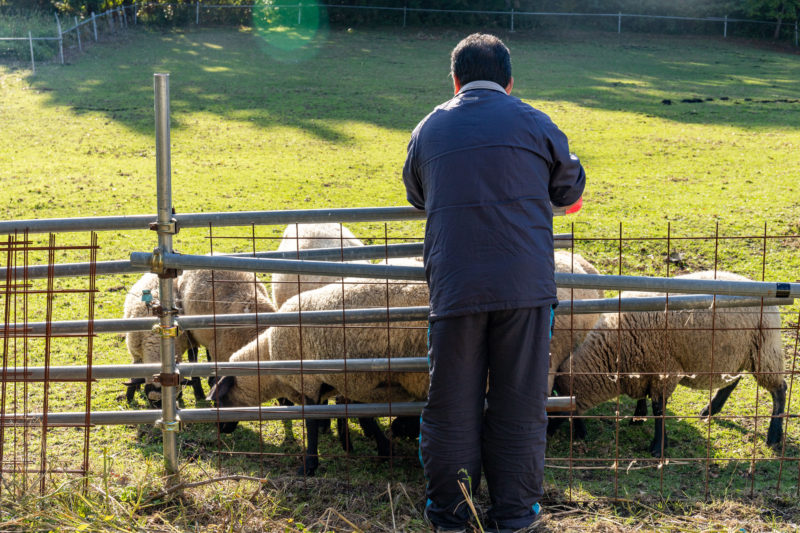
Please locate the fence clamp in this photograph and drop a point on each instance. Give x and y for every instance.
(170, 227)
(171, 331)
(167, 380)
(169, 426)
(157, 266)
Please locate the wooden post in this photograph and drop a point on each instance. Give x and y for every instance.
(197, 13)
(110, 22)
(60, 39)
(124, 16)
(795, 34)
(135, 16)
(725, 28)
(300, 13)
(405, 8)
(619, 22)
(33, 63)
(94, 26)
(78, 33)
(512, 20)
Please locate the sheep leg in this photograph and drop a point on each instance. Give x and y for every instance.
(405, 427)
(659, 444)
(719, 399)
(373, 430)
(343, 430)
(310, 459)
(775, 433)
(288, 433)
(131, 387)
(640, 413)
(197, 385)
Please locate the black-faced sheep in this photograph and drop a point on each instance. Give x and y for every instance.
(653, 352)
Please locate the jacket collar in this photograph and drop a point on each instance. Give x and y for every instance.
(482, 84)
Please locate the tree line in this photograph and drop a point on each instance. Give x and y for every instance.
(781, 13)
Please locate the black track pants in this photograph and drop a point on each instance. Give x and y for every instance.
(508, 440)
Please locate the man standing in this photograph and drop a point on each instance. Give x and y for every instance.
(488, 168)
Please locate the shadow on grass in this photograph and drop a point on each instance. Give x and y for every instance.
(392, 79)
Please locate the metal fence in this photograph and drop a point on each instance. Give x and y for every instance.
(92, 27)
(41, 334)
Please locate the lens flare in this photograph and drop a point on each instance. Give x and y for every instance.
(289, 33)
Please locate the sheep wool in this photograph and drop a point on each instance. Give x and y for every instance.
(652, 352)
(303, 237)
(569, 330)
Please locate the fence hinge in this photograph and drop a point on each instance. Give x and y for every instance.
(167, 380)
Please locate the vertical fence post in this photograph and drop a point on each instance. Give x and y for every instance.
(135, 21)
(619, 22)
(124, 16)
(110, 21)
(94, 26)
(512, 19)
(33, 63)
(299, 13)
(795, 34)
(725, 28)
(78, 33)
(197, 13)
(405, 8)
(170, 421)
(60, 39)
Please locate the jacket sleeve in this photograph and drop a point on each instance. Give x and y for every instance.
(567, 178)
(414, 191)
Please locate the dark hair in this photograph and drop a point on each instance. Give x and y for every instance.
(481, 56)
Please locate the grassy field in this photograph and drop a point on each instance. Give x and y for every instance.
(259, 128)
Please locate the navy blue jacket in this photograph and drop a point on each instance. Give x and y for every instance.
(486, 167)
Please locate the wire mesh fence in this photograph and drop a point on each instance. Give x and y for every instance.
(53, 376)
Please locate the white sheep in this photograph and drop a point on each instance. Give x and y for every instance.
(569, 330)
(302, 237)
(652, 352)
(145, 346)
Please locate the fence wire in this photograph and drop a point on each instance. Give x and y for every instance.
(728, 449)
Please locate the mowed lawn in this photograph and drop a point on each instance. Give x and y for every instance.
(256, 129)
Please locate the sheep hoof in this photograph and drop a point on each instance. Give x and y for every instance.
(704, 412)
(309, 466)
(655, 449)
(775, 433)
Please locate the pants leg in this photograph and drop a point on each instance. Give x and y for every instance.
(450, 431)
(515, 424)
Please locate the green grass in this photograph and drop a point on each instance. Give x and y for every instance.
(327, 127)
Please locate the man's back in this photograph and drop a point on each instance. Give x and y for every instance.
(483, 163)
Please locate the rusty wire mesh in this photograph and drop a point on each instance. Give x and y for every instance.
(706, 457)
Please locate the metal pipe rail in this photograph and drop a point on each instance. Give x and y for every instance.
(576, 281)
(243, 368)
(229, 414)
(352, 253)
(379, 315)
(203, 220)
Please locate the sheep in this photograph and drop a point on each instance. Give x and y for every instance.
(302, 237)
(569, 330)
(207, 292)
(654, 359)
(145, 346)
(330, 342)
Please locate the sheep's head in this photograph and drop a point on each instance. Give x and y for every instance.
(221, 395)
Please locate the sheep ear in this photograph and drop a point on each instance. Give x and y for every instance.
(221, 388)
